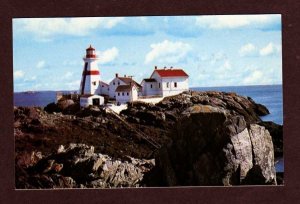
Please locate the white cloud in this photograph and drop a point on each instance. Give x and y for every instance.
(18, 74)
(108, 55)
(254, 78)
(226, 66)
(73, 84)
(235, 21)
(167, 52)
(71, 62)
(270, 49)
(217, 57)
(68, 75)
(46, 27)
(40, 64)
(247, 49)
(33, 78)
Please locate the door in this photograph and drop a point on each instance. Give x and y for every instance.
(96, 101)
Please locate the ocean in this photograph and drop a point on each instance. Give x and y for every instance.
(36, 98)
(268, 95)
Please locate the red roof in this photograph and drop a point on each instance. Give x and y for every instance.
(90, 48)
(171, 73)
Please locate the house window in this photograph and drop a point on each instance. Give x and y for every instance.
(122, 93)
(175, 84)
(158, 85)
(127, 94)
(151, 86)
(167, 84)
(114, 83)
(118, 94)
(118, 83)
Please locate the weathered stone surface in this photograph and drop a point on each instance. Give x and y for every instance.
(63, 104)
(211, 147)
(52, 107)
(243, 152)
(205, 138)
(276, 132)
(78, 166)
(263, 152)
(27, 159)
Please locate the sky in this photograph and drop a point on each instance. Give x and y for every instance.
(214, 50)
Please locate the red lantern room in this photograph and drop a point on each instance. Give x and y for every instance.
(90, 52)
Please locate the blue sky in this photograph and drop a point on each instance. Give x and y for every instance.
(222, 50)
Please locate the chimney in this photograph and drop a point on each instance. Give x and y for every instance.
(165, 67)
(117, 75)
(155, 67)
(171, 67)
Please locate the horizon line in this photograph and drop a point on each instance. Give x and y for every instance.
(189, 87)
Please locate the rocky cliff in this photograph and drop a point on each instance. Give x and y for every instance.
(78, 166)
(195, 138)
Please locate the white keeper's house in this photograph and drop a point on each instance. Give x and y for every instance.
(161, 83)
(127, 93)
(122, 81)
(165, 82)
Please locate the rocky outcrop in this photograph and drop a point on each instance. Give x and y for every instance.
(210, 146)
(170, 109)
(67, 106)
(276, 132)
(78, 166)
(201, 138)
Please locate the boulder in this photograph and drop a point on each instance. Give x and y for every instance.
(72, 109)
(63, 104)
(276, 132)
(77, 165)
(212, 147)
(52, 107)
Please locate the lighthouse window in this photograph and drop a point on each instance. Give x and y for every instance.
(94, 83)
(114, 83)
(175, 84)
(167, 84)
(127, 94)
(151, 86)
(118, 83)
(158, 85)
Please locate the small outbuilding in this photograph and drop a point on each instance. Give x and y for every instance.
(87, 100)
(126, 93)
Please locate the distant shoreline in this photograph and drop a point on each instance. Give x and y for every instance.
(190, 88)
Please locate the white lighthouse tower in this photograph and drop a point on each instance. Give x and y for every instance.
(90, 81)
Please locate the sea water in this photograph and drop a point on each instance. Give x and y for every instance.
(36, 98)
(270, 96)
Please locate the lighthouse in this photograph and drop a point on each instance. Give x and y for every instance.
(90, 81)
